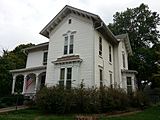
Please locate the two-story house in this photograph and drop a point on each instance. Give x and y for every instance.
(80, 48)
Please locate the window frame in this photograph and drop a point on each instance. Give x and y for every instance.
(45, 57)
(69, 80)
(71, 43)
(101, 77)
(100, 46)
(110, 53)
(123, 59)
(65, 51)
(66, 82)
(129, 86)
(62, 80)
(111, 79)
(68, 46)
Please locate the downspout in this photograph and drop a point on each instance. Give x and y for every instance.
(99, 26)
(95, 81)
(24, 51)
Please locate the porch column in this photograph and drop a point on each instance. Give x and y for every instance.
(13, 84)
(24, 84)
(36, 85)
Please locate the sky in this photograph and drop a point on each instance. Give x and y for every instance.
(22, 20)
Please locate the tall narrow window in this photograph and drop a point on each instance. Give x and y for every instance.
(110, 54)
(101, 77)
(69, 78)
(100, 46)
(123, 57)
(45, 55)
(129, 85)
(62, 75)
(111, 81)
(71, 44)
(66, 45)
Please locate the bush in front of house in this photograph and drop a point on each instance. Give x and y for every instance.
(139, 100)
(11, 100)
(85, 100)
(113, 99)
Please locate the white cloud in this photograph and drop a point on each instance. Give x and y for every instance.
(22, 20)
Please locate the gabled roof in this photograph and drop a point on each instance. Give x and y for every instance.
(98, 23)
(125, 38)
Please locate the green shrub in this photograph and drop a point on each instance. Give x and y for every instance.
(85, 100)
(11, 100)
(139, 100)
(113, 99)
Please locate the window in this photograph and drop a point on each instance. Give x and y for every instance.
(69, 21)
(123, 57)
(129, 85)
(69, 78)
(65, 45)
(71, 44)
(65, 81)
(45, 55)
(100, 46)
(111, 81)
(68, 44)
(62, 76)
(42, 81)
(101, 77)
(110, 54)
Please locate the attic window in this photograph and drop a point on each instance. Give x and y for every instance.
(69, 21)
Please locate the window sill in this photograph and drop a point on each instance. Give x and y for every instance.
(67, 55)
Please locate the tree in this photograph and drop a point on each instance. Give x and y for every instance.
(9, 60)
(141, 25)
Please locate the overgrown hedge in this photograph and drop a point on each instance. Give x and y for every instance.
(11, 100)
(86, 100)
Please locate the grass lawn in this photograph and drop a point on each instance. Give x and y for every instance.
(152, 113)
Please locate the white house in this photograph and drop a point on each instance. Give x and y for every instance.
(80, 48)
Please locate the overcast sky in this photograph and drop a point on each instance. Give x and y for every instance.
(22, 20)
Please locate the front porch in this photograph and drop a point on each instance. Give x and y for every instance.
(33, 79)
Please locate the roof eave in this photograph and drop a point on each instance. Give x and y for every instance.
(36, 46)
(45, 31)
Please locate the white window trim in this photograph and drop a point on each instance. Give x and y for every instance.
(110, 62)
(65, 75)
(43, 57)
(99, 46)
(111, 82)
(101, 68)
(69, 34)
(124, 60)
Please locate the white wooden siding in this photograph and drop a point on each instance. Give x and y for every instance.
(83, 46)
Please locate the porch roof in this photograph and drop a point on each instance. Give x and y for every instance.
(129, 71)
(28, 69)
